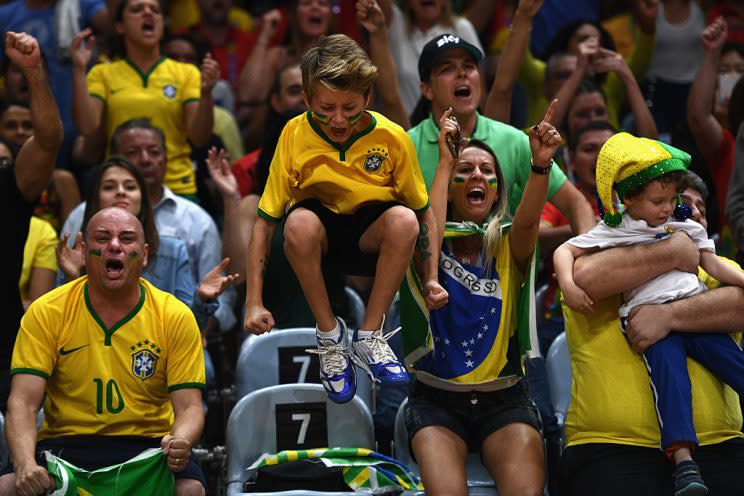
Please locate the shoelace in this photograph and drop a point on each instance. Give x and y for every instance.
(333, 357)
(378, 344)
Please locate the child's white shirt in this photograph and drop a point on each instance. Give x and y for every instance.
(669, 286)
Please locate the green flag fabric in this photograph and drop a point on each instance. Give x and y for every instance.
(146, 473)
(414, 315)
(364, 470)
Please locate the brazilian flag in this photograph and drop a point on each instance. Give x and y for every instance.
(364, 470)
(146, 473)
(417, 335)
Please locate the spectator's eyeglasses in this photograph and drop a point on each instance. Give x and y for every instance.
(6, 162)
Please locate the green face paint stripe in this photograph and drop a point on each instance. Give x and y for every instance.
(458, 180)
(95, 251)
(134, 254)
(493, 182)
(322, 118)
(353, 119)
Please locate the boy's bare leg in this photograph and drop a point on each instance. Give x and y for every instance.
(393, 236)
(304, 244)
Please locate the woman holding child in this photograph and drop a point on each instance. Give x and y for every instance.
(468, 395)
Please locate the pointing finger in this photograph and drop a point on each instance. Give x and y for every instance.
(551, 109)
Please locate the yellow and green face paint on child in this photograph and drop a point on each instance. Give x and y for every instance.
(325, 119)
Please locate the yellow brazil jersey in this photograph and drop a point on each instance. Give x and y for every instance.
(159, 95)
(611, 400)
(376, 165)
(38, 252)
(109, 381)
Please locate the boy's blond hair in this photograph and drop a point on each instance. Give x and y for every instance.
(338, 63)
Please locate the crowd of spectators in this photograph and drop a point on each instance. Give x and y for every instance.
(173, 110)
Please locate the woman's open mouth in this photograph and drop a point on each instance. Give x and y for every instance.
(476, 196)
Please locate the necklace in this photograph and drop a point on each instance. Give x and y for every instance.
(467, 255)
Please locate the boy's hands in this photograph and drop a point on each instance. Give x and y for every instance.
(435, 295)
(577, 299)
(258, 320)
(544, 139)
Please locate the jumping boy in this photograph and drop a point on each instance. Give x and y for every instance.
(647, 176)
(348, 182)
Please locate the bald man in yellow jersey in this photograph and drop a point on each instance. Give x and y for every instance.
(117, 362)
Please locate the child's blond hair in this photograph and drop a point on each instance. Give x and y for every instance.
(338, 63)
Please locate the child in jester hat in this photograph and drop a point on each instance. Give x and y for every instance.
(646, 175)
(347, 184)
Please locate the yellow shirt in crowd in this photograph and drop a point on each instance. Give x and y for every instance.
(611, 400)
(109, 381)
(38, 252)
(376, 165)
(159, 95)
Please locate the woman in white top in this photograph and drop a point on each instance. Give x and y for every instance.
(410, 28)
(677, 54)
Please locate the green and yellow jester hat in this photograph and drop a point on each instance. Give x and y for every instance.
(626, 161)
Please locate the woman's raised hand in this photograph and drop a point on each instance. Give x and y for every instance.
(370, 16)
(450, 139)
(544, 139)
(210, 73)
(81, 48)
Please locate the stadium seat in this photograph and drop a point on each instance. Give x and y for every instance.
(558, 365)
(4, 455)
(291, 416)
(480, 482)
(279, 357)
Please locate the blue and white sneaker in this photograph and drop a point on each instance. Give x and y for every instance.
(336, 369)
(377, 358)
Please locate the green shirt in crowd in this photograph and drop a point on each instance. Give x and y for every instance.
(511, 146)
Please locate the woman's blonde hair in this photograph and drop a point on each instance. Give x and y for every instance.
(446, 17)
(338, 63)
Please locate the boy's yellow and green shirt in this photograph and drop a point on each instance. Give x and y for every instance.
(109, 381)
(160, 95)
(376, 165)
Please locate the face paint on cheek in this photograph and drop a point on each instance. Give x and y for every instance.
(458, 181)
(353, 119)
(94, 251)
(493, 183)
(134, 255)
(322, 118)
